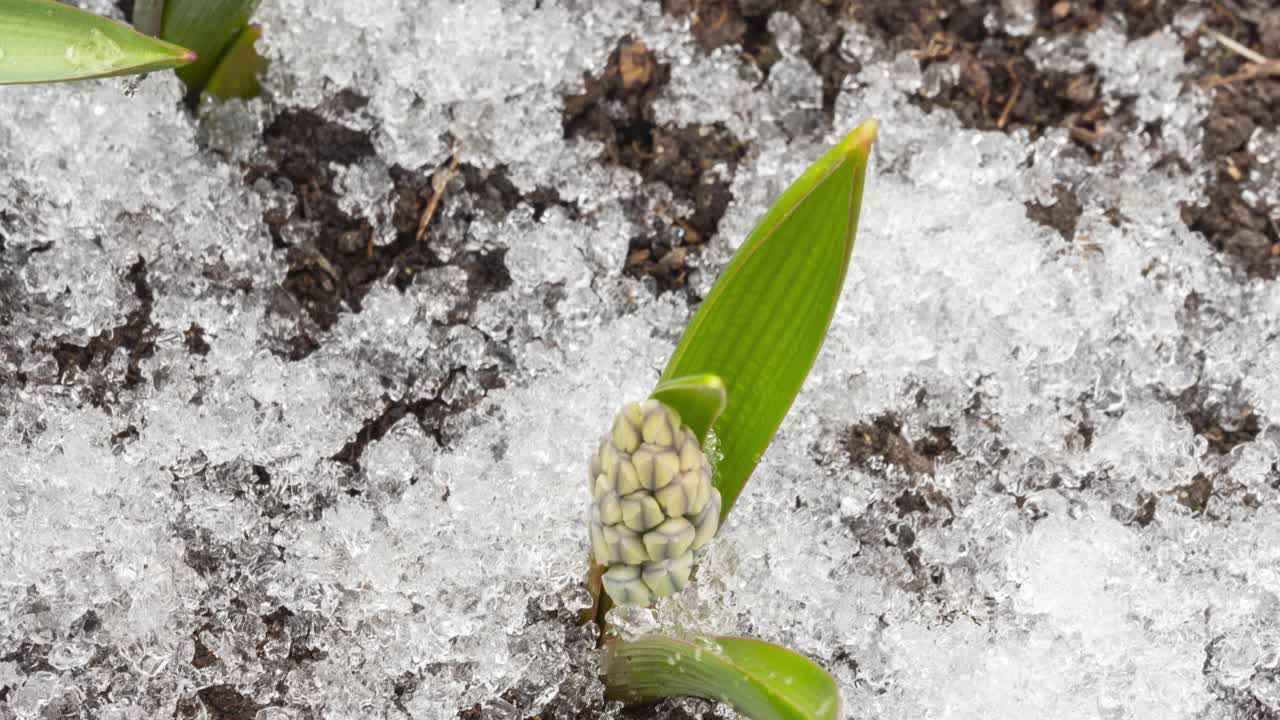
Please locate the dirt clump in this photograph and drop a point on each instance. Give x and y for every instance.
(695, 162)
(87, 363)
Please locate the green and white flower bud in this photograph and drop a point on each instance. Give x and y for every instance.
(653, 504)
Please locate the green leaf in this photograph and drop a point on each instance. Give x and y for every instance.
(209, 27)
(698, 398)
(758, 679)
(44, 41)
(237, 75)
(763, 323)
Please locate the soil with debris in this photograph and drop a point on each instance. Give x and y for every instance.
(616, 109)
(1241, 104)
(1000, 89)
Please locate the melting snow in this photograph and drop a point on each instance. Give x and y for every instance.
(175, 529)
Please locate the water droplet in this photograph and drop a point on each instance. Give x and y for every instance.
(97, 54)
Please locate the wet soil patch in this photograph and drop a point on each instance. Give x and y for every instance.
(881, 442)
(1062, 215)
(1241, 105)
(193, 338)
(696, 162)
(1224, 425)
(87, 363)
(431, 413)
(745, 23)
(224, 702)
(994, 86)
(1195, 494)
(334, 259)
(338, 261)
(911, 500)
(1141, 513)
(974, 67)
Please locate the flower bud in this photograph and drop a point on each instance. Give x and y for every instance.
(653, 503)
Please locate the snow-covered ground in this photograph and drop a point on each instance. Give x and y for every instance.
(1030, 476)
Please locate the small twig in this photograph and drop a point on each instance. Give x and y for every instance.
(1239, 49)
(1257, 65)
(1013, 96)
(1084, 134)
(437, 193)
(1248, 72)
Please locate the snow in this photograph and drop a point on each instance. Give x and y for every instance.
(147, 527)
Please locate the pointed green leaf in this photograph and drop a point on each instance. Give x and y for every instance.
(237, 75)
(758, 679)
(209, 27)
(45, 41)
(763, 323)
(698, 398)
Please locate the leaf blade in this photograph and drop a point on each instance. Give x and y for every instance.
(761, 680)
(236, 76)
(209, 27)
(763, 323)
(699, 399)
(44, 41)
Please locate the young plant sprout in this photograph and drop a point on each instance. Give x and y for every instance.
(657, 498)
(208, 42)
(220, 32)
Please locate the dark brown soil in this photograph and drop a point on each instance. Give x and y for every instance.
(1194, 495)
(616, 109)
(87, 364)
(334, 266)
(430, 413)
(879, 446)
(336, 262)
(745, 23)
(1239, 107)
(340, 263)
(882, 439)
(1062, 215)
(224, 702)
(1223, 427)
(1000, 89)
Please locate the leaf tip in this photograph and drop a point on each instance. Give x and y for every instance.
(862, 137)
(716, 384)
(186, 57)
